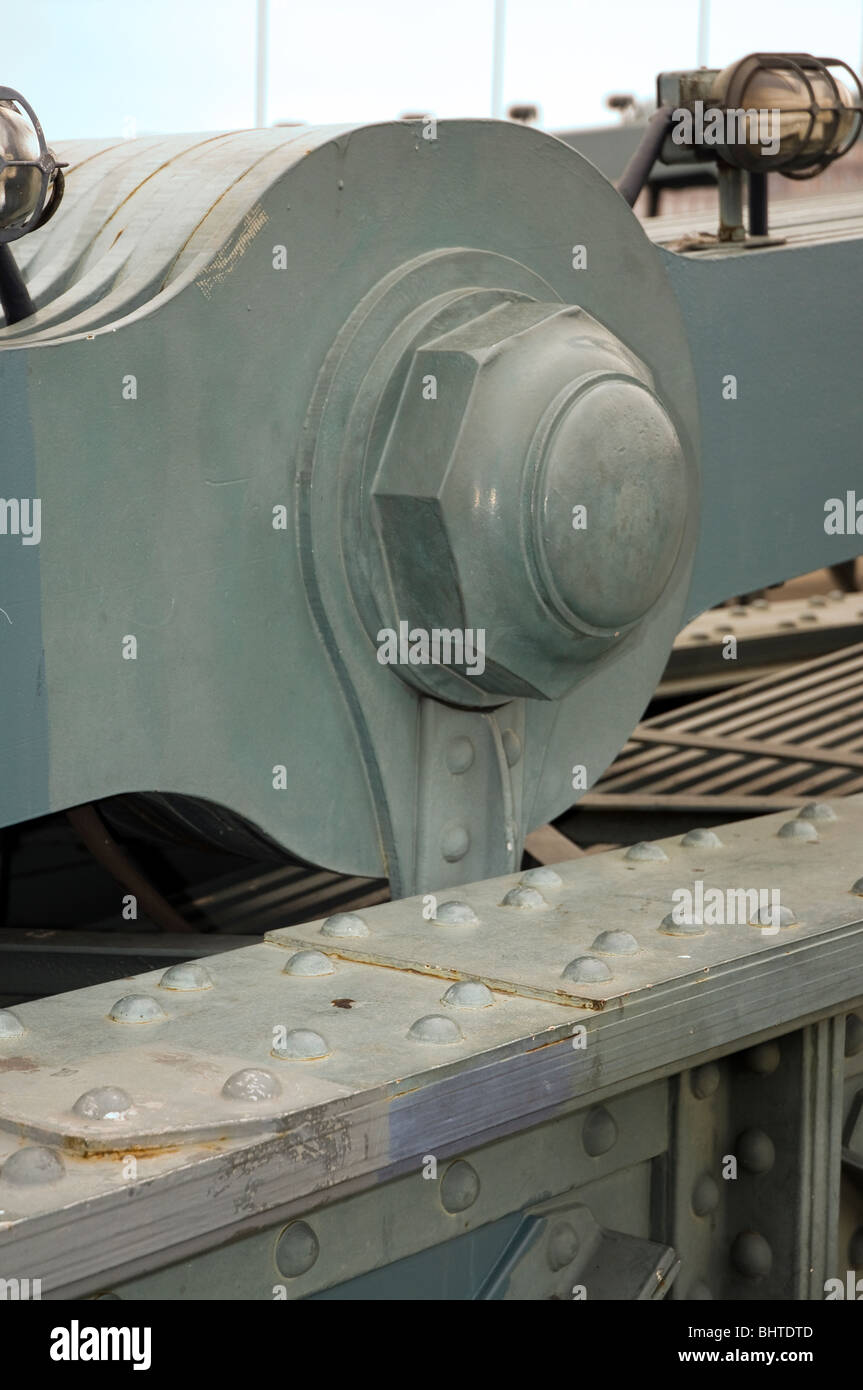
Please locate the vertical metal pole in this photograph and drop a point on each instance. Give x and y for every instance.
(757, 204)
(497, 59)
(261, 69)
(730, 203)
(703, 32)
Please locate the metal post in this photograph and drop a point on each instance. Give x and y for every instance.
(703, 32)
(497, 59)
(730, 203)
(261, 67)
(757, 204)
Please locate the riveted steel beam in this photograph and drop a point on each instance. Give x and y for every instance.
(266, 1081)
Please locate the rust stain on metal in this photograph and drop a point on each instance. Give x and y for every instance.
(18, 1064)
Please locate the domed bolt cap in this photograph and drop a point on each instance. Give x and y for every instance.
(468, 994)
(644, 853)
(701, 838)
(614, 450)
(434, 1028)
(802, 830)
(309, 963)
(615, 943)
(302, 1044)
(137, 1008)
(524, 898)
(186, 976)
(456, 914)
(554, 486)
(32, 1166)
(344, 924)
(103, 1103)
(586, 970)
(252, 1083)
(10, 1026)
(541, 877)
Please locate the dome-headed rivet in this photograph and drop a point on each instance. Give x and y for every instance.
(103, 1103)
(756, 1151)
(454, 843)
(303, 1045)
(468, 994)
(817, 811)
(252, 1083)
(751, 1255)
(10, 1026)
(586, 970)
(705, 1195)
(455, 914)
(137, 1008)
(344, 924)
(309, 963)
(685, 926)
(646, 853)
(600, 1132)
(459, 754)
(296, 1250)
(32, 1166)
(774, 917)
(524, 898)
(186, 976)
(802, 830)
(459, 1187)
(701, 838)
(615, 943)
(540, 877)
(704, 1080)
(434, 1028)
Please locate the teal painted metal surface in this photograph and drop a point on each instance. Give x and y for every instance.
(248, 352)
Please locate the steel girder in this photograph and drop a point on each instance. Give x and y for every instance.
(545, 1064)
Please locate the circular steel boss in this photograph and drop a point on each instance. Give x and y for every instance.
(444, 261)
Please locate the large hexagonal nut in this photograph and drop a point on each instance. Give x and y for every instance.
(530, 501)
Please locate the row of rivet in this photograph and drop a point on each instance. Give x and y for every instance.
(750, 1253)
(459, 1188)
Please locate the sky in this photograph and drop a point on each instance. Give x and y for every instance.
(114, 67)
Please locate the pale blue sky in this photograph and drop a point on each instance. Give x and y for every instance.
(89, 66)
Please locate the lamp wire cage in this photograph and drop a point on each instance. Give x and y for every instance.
(52, 181)
(801, 64)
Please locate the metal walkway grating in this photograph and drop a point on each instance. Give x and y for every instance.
(769, 745)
